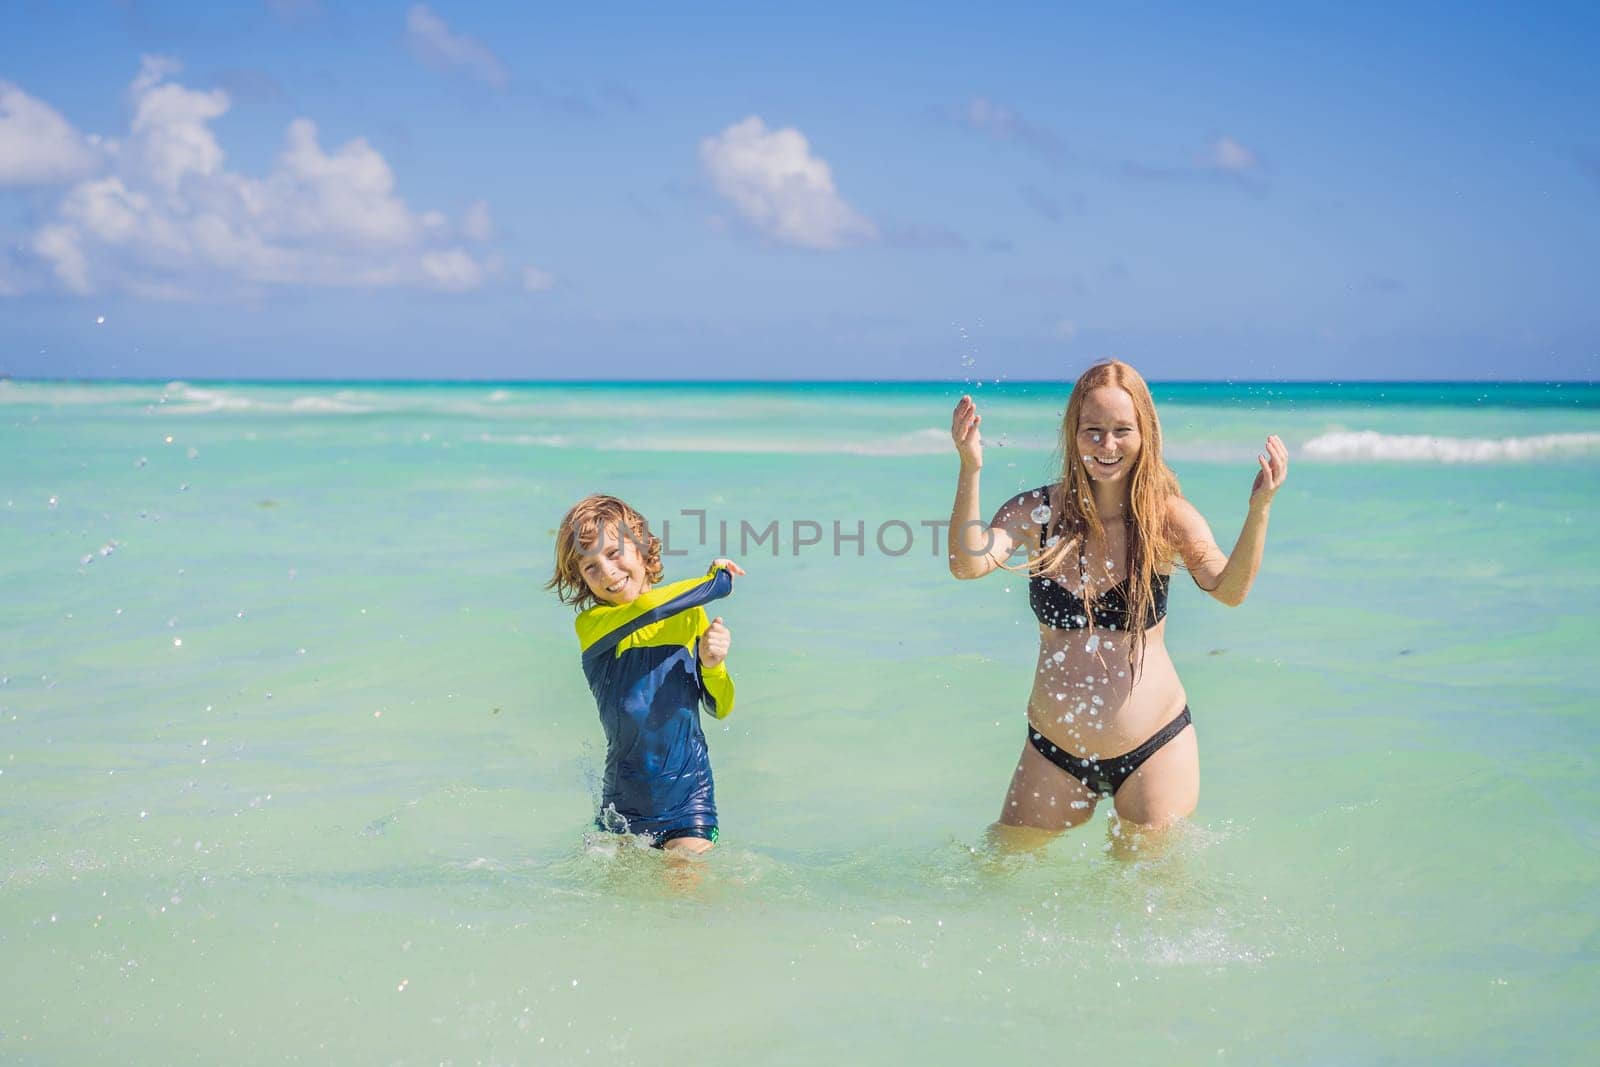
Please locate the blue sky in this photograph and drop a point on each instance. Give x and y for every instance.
(303, 188)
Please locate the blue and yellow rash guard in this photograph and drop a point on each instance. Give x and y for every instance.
(643, 665)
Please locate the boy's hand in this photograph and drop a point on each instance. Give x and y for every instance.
(732, 567)
(714, 644)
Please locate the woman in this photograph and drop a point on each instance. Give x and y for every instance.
(1108, 715)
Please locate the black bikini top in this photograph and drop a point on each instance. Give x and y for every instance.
(1059, 608)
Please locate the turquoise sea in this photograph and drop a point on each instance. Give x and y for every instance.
(297, 763)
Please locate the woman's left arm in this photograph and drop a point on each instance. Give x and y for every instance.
(1229, 577)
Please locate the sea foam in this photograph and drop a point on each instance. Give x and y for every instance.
(1425, 448)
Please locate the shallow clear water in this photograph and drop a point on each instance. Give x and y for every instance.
(297, 761)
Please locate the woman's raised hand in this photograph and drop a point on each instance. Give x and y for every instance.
(964, 431)
(1274, 469)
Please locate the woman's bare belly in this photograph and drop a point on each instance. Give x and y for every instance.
(1085, 699)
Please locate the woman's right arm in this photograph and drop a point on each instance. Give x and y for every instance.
(976, 547)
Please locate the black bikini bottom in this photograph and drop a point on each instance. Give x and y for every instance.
(1105, 776)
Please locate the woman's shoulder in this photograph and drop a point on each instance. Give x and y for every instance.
(1026, 511)
(1027, 501)
(1181, 514)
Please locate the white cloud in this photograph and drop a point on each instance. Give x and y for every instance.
(169, 138)
(347, 195)
(172, 220)
(1229, 157)
(57, 244)
(37, 145)
(535, 280)
(776, 185)
(1002, 123)
(153, 70)
(440, 47)
(1222, 159)
(452, 269)
(1066, 330)
(981, 113)
(477, 224)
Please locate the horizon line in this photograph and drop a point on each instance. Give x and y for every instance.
(185, 379)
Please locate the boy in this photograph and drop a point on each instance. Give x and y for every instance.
(652, 659)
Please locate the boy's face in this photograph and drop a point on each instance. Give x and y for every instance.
(612, 567)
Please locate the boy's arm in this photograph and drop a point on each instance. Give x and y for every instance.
(711, 663)
(717, 685)
(711, 654)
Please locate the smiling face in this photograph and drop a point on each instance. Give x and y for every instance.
(612, 566)
(1108, 434)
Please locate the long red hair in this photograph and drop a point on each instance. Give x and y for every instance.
(1075, 519)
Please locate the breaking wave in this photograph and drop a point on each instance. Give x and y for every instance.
(1346, 445)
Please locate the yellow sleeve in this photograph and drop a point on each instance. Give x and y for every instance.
(718, 684)
(715, 681)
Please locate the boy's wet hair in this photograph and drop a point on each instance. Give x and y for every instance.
(580, 536)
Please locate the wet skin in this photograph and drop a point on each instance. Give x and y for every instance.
(1087, 698)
